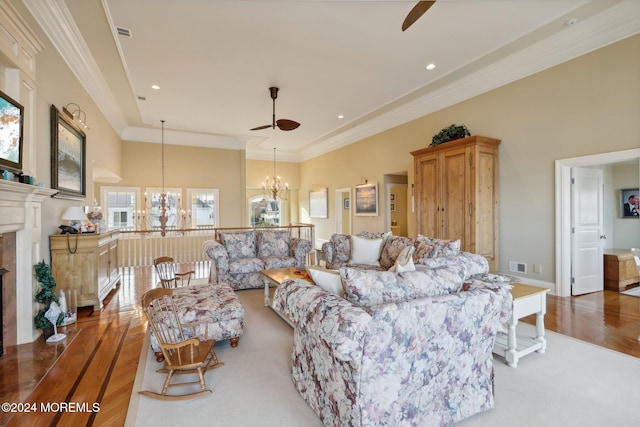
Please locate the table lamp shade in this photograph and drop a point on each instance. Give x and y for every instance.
(74, 213)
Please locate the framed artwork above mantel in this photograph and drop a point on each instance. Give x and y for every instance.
(68, 157)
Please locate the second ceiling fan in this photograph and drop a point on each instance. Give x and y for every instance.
(415, 13)
(283, 124)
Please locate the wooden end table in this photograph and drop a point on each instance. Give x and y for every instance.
(527, 300)
(276, 277)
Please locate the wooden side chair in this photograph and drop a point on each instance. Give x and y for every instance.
(181, 356)
(166, 269)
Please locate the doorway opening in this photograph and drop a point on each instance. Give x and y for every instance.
(343, 210)
(563, 195)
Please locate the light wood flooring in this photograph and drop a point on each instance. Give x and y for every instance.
(97, 362)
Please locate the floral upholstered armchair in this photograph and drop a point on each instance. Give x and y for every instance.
(238, 256)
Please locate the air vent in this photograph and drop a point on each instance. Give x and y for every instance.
(142, 98)
(124, 32)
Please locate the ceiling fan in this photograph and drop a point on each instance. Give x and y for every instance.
(283, 124)
(415, 13)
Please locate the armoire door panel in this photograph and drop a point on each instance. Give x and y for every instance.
(454, 215)
(428, 197)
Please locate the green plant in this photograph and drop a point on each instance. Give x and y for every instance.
(45, 295)
(449, 134)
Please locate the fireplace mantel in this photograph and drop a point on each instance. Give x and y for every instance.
(21, 206)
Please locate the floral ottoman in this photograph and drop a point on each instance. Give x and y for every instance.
(209, 311)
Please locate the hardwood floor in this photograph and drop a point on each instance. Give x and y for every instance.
(96, 364)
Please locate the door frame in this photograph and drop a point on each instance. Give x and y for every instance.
(563, 208)
(339, 208)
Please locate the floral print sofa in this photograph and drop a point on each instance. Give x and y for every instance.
(239, 256)
(429, 253)
(401, 349)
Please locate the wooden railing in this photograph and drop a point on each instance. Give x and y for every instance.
(140, 247)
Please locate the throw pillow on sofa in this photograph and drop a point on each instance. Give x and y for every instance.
(367, 288)
(365, 251)
(441, 247)
(404, 261)
(273, 242)
(329, 280)
(239, 244)
(392, 248)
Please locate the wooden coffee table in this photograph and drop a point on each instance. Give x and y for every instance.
(276, 277)
(527, 300)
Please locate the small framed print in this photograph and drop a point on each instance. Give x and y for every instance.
(392, 207)
(630, 203)
(347, 203)
(392, 197)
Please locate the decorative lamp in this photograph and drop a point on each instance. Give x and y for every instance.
(75, 215)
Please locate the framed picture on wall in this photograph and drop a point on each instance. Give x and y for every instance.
(392, 207)
(346, 203)
(367, 199)
(68, 151)
(630, 203)
(318, 203)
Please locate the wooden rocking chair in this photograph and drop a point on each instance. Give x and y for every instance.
(181, 356)
(166, 269)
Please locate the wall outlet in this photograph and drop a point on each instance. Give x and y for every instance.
(537, 268)
(517, 267)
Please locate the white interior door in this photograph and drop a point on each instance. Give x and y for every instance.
(587, 226)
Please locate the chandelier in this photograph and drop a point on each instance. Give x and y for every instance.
(272, 187)
(166, 213)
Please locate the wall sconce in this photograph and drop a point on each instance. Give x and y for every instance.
(73, 110)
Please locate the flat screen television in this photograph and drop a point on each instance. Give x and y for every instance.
(11, 119)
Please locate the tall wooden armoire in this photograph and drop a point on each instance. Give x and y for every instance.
(456, 194)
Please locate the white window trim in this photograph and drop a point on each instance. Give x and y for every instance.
(216, 196)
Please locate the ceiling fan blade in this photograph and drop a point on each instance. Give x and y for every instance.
(285, 124)
(415, 13)
(262, 127)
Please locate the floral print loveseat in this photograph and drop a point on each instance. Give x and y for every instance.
(401, 349)
(429, 253)
(238, 256)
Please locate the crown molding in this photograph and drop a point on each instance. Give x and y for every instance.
(56, 21)
(175, 137)
(614, 24)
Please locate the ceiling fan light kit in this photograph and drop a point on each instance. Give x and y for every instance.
(282, 124)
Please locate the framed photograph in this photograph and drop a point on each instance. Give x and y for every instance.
(630, 203)
(392, 197)
(392, 207)
(68, 157)
(347, 203)
(318, 203)
(366, 199)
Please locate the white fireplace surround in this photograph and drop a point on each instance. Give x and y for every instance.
(21, 206)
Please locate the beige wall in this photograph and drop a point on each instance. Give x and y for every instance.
(188, 167)
(586, 106)
(57, 85)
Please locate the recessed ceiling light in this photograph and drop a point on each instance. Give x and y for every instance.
(340, 116)
(431, 67)
(571, 22)
(155, 87)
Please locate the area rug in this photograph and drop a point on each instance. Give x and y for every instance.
(635, 292)
(573, 384)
